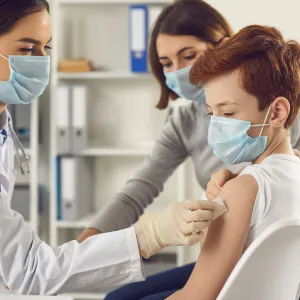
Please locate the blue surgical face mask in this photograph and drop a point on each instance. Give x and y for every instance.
(230, 141)
(179, 83)
(29, 77)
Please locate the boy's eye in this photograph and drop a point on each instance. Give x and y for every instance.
(228, 114)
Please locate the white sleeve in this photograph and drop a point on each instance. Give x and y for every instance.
(30, 266)
(263, 198)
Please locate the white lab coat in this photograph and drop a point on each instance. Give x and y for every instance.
(30, 266)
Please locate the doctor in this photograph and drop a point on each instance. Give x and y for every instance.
(27, 264)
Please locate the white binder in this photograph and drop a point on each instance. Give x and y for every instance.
(79, 118)
(154, 12)
(76, 187)
(63, 128)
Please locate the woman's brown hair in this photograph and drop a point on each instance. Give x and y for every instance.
(185, 17)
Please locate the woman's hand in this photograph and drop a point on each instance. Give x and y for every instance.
(181, 224)
(216, 182)
(87, 233)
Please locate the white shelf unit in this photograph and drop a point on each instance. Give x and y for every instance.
(115, 88)
(105, 152)
(102, 75)
(31, 180)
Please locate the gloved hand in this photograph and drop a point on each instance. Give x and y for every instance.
(181, 224)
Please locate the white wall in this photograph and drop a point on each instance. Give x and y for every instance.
(283, 15)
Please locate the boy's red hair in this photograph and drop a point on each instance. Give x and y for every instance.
(268, 66)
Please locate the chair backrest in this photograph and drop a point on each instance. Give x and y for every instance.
(270, 268)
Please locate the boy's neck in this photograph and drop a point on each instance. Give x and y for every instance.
(282, 146)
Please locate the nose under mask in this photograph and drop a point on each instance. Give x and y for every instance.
(179, 83)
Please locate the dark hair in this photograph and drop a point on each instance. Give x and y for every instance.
(12, 11)
(268, 66)
(185, 17)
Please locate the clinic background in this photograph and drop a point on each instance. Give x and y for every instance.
(116, 118)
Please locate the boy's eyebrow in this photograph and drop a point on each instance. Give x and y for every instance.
(223, 103)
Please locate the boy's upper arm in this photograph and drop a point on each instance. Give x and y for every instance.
(225, 240)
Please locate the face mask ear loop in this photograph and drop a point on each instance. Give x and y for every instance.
(3, 56)
(265, 121)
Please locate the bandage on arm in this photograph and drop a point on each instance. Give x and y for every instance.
(219, 201)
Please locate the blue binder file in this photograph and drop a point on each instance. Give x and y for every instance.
(138, 19)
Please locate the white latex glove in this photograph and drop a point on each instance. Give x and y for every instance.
(181, 224)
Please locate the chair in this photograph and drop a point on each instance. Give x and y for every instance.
(270, 268)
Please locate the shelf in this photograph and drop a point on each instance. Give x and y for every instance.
(81, 223)
(115, 152)
(86, 296)
(103, 75)
(125, 2)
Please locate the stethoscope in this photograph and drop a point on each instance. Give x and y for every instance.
(23, 159)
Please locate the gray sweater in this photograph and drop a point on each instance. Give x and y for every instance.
(184, 135)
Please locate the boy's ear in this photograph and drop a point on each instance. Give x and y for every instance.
(280, 112)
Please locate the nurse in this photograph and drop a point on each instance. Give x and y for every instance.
(182, 33)
(27, 264)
